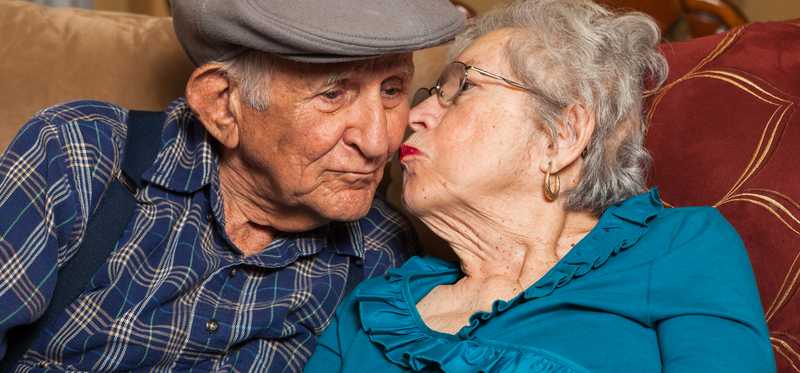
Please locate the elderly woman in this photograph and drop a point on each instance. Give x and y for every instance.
(529, 160)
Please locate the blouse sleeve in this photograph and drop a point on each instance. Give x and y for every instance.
(704, 302)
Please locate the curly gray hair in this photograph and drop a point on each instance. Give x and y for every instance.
(576, 51)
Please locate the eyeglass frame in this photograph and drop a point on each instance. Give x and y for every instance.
(446, 102)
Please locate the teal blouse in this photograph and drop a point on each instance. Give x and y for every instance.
(647, 290)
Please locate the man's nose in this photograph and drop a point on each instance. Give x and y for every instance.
(368, 132)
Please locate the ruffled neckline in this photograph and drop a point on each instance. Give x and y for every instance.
(389, 316)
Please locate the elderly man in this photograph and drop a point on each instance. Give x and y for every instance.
(252, 198)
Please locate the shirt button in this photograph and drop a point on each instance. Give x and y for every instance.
(233, 272)
(212, 325)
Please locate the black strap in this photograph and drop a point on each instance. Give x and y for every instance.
(106, 225)
(355, 273)
(144, 138)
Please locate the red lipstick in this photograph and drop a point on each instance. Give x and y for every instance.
(408, 150)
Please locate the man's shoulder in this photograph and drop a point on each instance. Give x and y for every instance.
(83, 111)
(89, 122)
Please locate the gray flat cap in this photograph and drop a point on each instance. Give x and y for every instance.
(316, 31)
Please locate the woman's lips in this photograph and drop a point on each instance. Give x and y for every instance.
(408, 150)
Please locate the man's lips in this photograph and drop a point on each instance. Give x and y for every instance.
(408, 150)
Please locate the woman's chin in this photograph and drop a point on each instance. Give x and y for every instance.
(419, 201)
(422, 194)
(412, 199)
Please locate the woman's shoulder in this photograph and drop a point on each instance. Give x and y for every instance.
(696, 228)
(692, 216)
(705, 259)
(697, 239)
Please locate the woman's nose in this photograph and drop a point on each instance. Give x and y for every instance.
(425, 115)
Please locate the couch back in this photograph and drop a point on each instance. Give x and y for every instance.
(725, 129)
(53, 55)
(725, 132)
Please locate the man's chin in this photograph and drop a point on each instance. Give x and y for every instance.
(346, 205)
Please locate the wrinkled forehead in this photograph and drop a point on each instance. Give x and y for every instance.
(400, 64)
(489, 50)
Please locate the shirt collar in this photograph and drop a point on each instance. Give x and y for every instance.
(347, 238)
(640, 209)
(186, 159)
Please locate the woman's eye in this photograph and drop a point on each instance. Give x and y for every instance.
(467, 85)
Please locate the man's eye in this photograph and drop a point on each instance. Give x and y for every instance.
(333, 94)
(392, 87)
(392, 91)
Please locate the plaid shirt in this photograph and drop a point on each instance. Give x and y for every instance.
(174, 295)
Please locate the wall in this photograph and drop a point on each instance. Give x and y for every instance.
(769, 10)
(152, 7)
(755, 10)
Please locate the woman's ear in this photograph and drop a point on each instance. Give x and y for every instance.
(572, 138)
(211, 96)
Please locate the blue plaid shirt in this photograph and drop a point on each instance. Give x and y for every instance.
(174, 295)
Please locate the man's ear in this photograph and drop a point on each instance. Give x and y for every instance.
(572, 137)
(211, 95)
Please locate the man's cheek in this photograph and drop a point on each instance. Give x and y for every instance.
(396, 133)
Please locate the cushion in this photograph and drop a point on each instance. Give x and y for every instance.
(725, 132)
(52, 55)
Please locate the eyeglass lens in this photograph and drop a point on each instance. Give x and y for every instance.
(421, 95)
(447, 87)
(450, 82)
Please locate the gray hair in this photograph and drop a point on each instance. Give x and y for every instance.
(251, 71)
(576, 51)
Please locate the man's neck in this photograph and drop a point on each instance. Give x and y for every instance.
(253, 218)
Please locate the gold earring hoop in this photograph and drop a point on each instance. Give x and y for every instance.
(552, 184)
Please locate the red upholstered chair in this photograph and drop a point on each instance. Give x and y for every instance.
(726, 132)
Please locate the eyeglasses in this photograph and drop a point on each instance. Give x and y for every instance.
(453, 79)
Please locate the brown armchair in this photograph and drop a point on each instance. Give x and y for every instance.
(725, 129)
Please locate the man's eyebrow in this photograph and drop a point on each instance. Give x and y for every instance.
(336, 77)
(404, 68)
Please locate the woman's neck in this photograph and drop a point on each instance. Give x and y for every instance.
(514, 239)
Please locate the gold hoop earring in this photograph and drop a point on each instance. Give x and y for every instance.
(551, 187)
